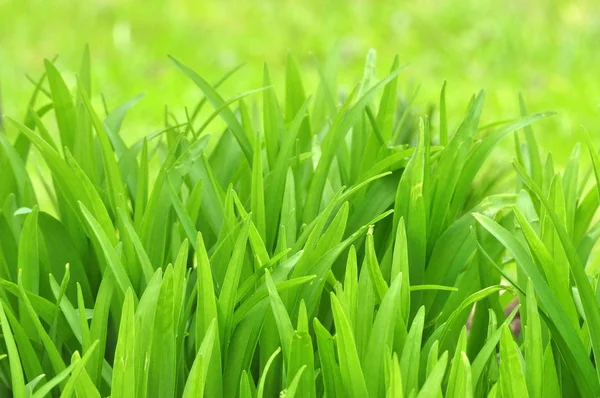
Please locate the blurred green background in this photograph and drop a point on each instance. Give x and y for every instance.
(548, 50)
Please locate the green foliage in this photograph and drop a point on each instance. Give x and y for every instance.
(309, 249)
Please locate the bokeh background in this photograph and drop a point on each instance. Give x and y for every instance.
(548, 50)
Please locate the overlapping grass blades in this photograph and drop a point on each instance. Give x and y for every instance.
(308, 248)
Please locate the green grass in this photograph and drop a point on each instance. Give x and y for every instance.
(310, 248)
(546, 49)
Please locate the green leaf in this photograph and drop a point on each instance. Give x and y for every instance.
(98, 327)
(432, 385)
(512, 378)
(387, 106)
(409, 360)
(282, 318)
(245, 390)
(31, 364)
(551, 387)
(114, 120)
(187, 223)
(265, 371)
(28, 265)
(443, 117)
(144, 326)
(534, 352)
(129, 231)
(565, 333)
(64, 108)
(381, 338)
(227, 299)
(162, 370)
(348, 116)
(400, 266)
(257, 203)
(379, 284)
(459, 380)
(350, 368)
(592, 312)
(216, 100)
(25, 191)
(196, 381)
(262, 294)
(556, 281)
(114, 184)
(51, 350)
(489, 348)
(292, 388)
(112, 259)
(302, 358)
(44, 390)
(395, 388)
(332, 378)
(206, 315)
(16, 372)
(77, 372)
(123, 381)
(481, 152)
(273, 123)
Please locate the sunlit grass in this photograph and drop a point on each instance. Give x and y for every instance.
(545, 49)
(310, 248)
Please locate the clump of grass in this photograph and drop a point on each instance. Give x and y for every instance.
(304, 251)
